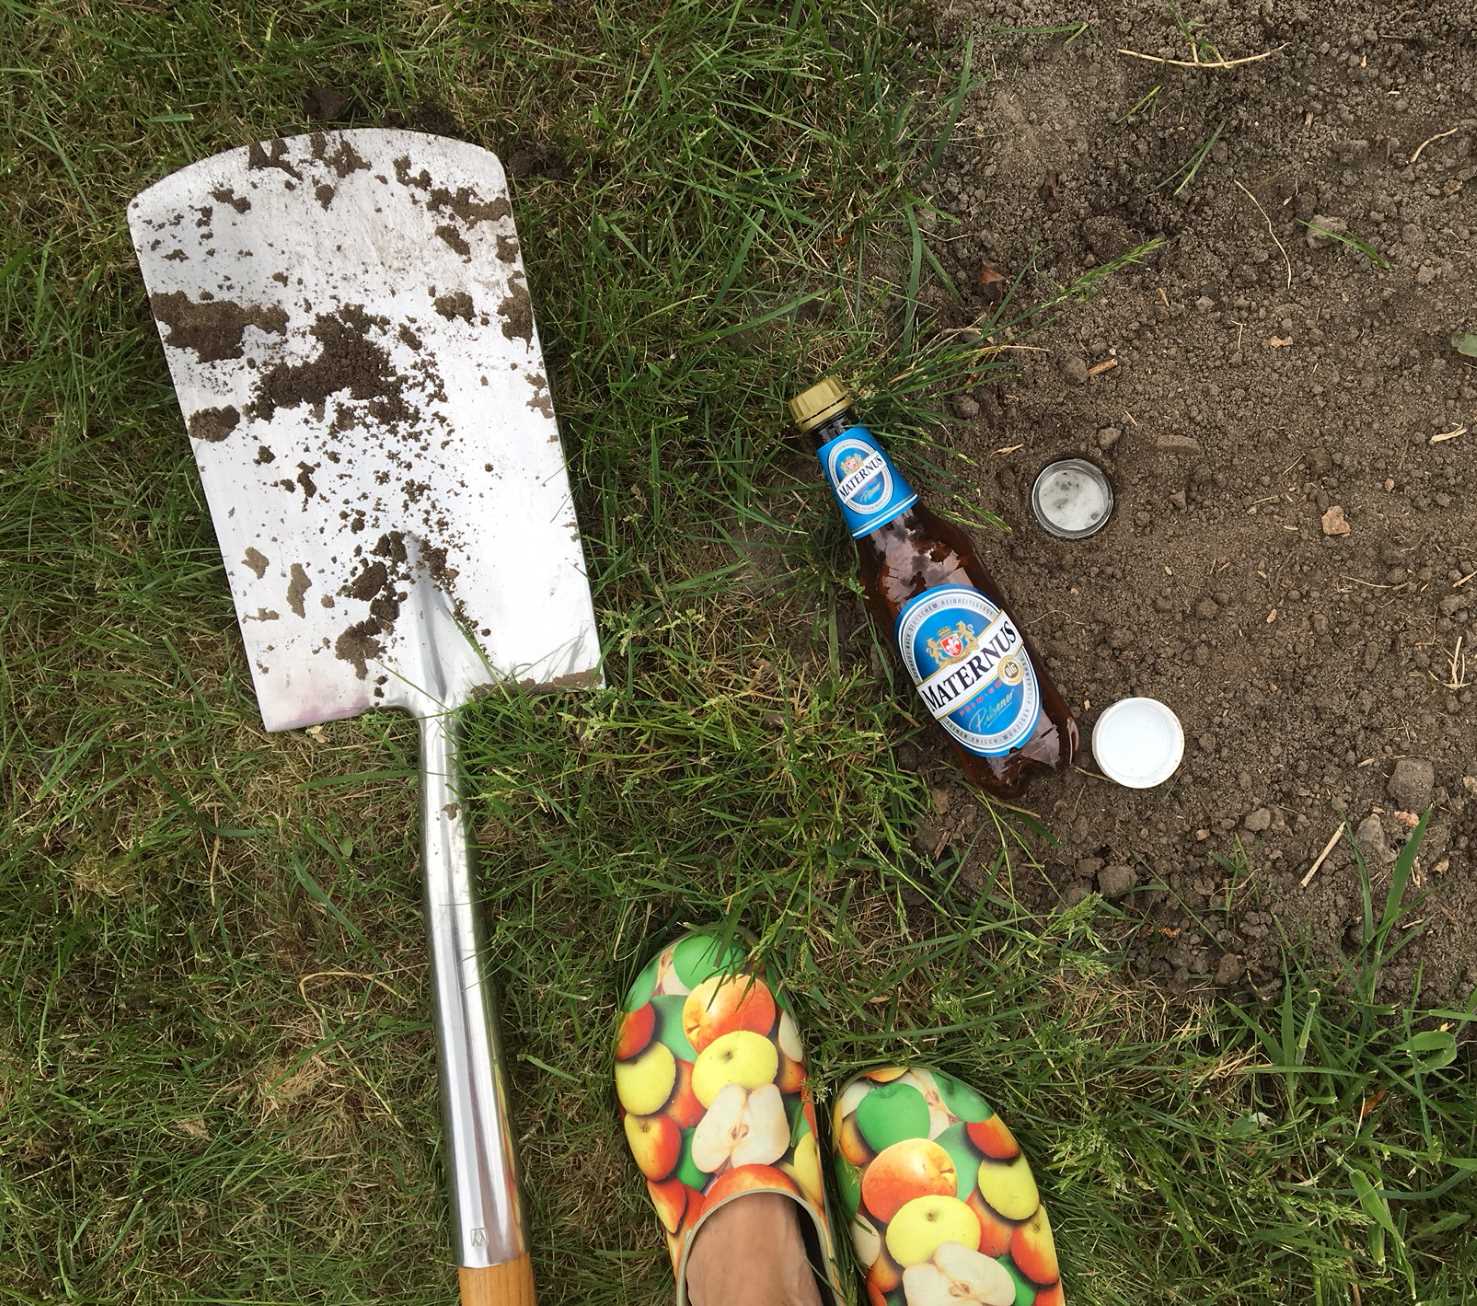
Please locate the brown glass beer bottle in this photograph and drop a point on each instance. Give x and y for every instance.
(947, 619)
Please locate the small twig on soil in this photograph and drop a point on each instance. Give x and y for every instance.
(1203, 63)
(1457, 584)
(1270, 231)
(1440, 136)
(1448, 435)
(1458, 677)
(1322, 857)
(1107, 365)
(1011, 448)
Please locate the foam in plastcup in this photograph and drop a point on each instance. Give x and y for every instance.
(1072, 498)
(1138, 742)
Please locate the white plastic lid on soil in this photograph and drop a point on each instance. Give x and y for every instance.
(1138, 742)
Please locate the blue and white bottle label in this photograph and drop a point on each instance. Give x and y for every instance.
(867, 486)
(970, 664)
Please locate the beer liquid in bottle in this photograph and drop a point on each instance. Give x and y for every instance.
(948, 621)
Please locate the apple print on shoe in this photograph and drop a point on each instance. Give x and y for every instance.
(941, 1202)
(710, 1076)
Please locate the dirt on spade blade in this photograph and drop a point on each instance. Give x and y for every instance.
(352, 385)
(1284, 353)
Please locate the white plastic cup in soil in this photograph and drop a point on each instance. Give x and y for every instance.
(1072, 499)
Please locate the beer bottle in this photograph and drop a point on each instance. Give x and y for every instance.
(947, 619)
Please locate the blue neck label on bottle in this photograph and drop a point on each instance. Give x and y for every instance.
(970, 664)
(868, 488)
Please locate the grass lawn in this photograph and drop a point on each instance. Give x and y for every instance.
(217, 1078)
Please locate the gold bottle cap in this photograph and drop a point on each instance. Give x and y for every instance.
(810, 408)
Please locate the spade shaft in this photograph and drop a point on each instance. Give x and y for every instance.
(481, 1171)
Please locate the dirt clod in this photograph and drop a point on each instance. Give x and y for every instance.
(271, 155)
(225, 195)
(526, 160)
(298, 585)
(1258, 820)
(415, 180)
(341, 160)
(1372, 841)
(457, 304)
(358, 644)
(467, 207)
(1323, 230)
(349, 362)
(1411, 783)
(1230, 968)
(1115, 881)
(213, 328)
(305, 480)
(455, 239)
(386, 609)
(213, 424)
(516, 311)
(391, 545)
(1173, 442)
(369, 582)
(324, 104)
(1073, 368)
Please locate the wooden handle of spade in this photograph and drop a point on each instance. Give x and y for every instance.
(508, 1284)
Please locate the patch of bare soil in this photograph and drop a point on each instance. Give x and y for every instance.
(1292, 564)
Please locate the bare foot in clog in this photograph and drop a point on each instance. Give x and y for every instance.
(752, 1253)
(710, 1075)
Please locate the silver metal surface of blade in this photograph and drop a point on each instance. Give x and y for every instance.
(348, 326)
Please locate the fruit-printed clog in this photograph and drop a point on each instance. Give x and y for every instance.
(940, 1200)
(710, 1076)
